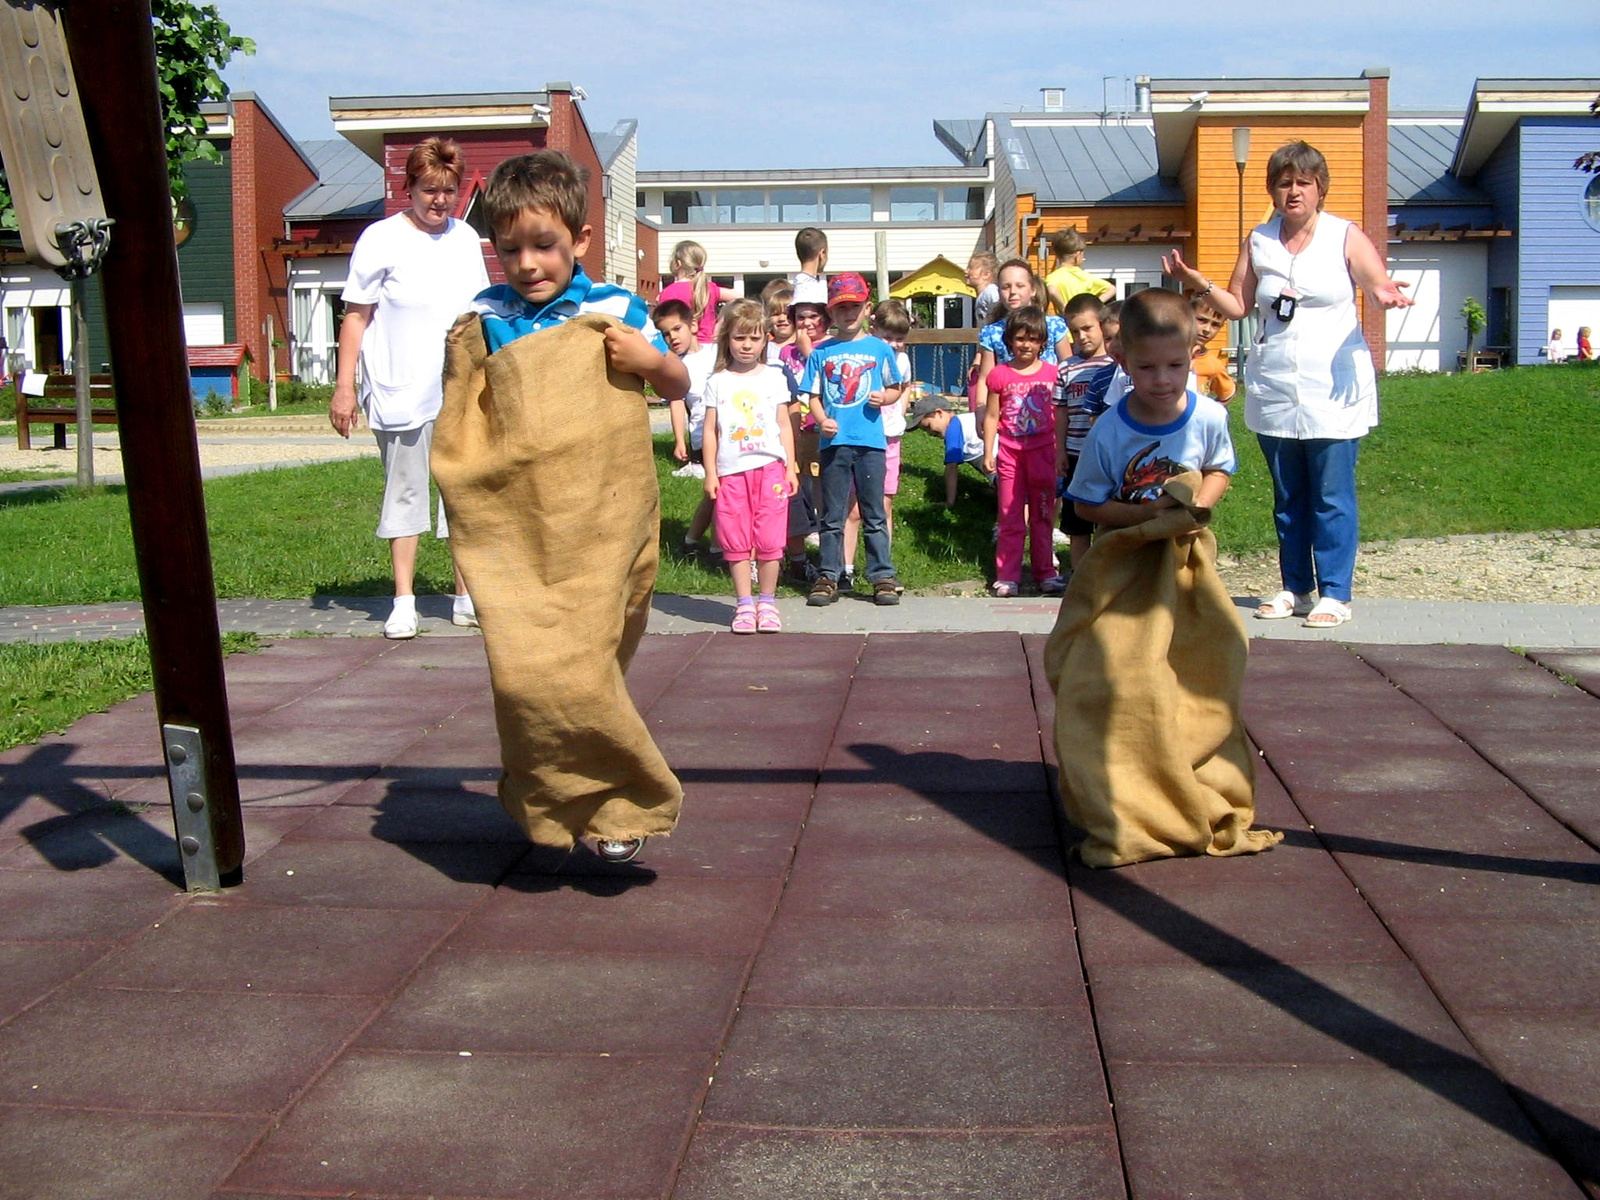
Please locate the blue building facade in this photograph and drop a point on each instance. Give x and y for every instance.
(1517, 146)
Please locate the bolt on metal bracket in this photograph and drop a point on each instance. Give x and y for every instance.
(185, 755)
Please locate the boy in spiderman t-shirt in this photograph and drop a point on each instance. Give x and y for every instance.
(848, 380)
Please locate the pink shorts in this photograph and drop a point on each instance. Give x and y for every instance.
(891, 468)
(753, 513)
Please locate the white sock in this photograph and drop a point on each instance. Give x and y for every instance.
(461, 603)
(404, 604)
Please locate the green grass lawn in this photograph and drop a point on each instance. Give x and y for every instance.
(45, 688)
(1495, 452)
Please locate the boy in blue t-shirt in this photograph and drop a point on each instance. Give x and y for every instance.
(848, 380)
(1158, 430)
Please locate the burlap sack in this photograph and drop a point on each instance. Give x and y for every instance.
(544, 459)
(1147, 659)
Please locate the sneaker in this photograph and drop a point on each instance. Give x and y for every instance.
(690, 470)
(802, 572)
(1053, 586)
(402, 622)
(619, 850)
(1005, 589)
(462, 612)
(823, 591)
(848, 583)
(885, 591)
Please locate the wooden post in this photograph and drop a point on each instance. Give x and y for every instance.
(81, 383)
(880, 250)
(113, 51)
(272, 370)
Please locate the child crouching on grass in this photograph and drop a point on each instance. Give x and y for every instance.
(1148, 654)
(750, 463)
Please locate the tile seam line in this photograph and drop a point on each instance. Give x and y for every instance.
(380, 1004)
(178, 903)
(703, 1090)
(939, 1131)
(1552, 1147)
(1593, 689)
(1468, 741)
(1063, 858)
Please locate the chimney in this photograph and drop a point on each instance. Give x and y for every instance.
(1141, 93)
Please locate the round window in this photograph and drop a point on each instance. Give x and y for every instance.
(1591, 203)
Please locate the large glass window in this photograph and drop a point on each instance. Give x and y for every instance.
(913, 204)
(796, 206)
(962, 204)
(847, 204)
(686, 208)
(741, 206)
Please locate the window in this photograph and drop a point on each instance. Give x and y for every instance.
(796, 206)
(913, 204)
(686, 208)
(962, 204)
(741, 206)
(847, 204)
(1591, 203)
(638, 204)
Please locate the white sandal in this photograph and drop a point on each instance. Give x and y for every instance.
(1284, 604)
(1337, 613)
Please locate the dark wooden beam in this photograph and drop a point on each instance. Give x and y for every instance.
(113, 53)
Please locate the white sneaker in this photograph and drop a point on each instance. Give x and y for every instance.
(402, 622)
(462, 613)
(690, 470)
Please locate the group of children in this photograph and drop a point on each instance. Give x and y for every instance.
(1556, 350)
(790, 381)
(1039, 385)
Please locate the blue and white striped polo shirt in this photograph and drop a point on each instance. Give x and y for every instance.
(507, 316)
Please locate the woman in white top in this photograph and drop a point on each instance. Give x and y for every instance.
(1310, 389)
(411, 275)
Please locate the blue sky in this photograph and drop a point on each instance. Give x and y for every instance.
(749, 85)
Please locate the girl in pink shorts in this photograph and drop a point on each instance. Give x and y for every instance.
(748, 450)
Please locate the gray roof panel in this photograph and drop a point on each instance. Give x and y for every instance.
(1420, 155)
(1078, 162)
(349, 184)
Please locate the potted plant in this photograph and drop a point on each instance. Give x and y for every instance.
(1475, 318)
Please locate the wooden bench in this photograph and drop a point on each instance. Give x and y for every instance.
(59, 407)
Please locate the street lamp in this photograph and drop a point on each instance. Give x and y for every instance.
(1241, 156)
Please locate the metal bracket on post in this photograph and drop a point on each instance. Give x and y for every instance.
(186, 775)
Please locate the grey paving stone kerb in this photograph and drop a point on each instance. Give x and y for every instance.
(1378, 622)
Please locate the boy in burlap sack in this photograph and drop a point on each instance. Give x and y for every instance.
(543, 453)
(1148, 654)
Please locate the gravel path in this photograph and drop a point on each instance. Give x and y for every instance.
(1532, 568)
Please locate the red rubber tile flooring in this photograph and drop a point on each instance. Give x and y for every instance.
(862, 967)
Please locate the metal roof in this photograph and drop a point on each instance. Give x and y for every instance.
(349, 184)
(608, 145)
(962, 138)
(1065, 160)
(822, 176)
(1420, 153)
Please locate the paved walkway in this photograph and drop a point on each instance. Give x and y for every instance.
(1396, 622)
(860, 967)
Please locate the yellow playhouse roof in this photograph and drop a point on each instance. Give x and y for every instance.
(941, 277)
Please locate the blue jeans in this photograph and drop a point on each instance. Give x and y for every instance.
(863, 466)
(1314, 507)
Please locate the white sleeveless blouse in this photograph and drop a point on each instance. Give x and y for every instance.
(1311, 377)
